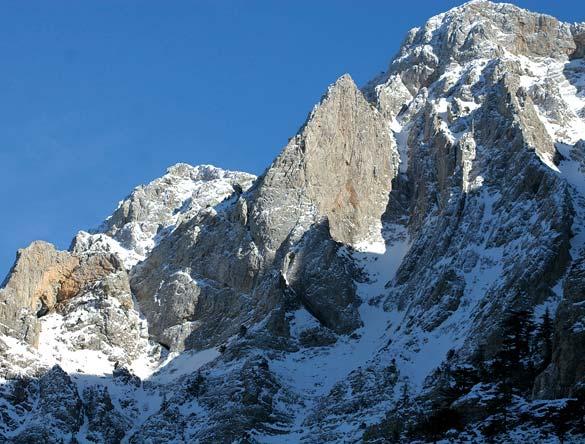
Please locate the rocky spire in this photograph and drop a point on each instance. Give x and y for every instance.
(342, 162)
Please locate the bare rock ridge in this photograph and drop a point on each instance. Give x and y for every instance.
(330, 170)
(342, 162)
(43, 277)
(166, 202)
(409, 268)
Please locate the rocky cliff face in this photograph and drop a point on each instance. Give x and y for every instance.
(410, 267)
(229, 266)
(43, 278)
(341, 163)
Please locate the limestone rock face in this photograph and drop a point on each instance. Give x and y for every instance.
(154, 209)
(101, 319)
(360, 289)
(105, 423)
(36, 272)
(206, 286)
(475, 150)
(342, 162)
(41, 278)
(566, 372)
(58, 409)
(338, 169)
(59, 399)
(321, 277)
(476, 30)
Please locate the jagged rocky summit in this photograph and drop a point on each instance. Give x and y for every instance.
(410, 268)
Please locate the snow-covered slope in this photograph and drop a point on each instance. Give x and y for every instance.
(153, 211)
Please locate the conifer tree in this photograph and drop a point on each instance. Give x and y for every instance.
(515, 356)
(545, 337)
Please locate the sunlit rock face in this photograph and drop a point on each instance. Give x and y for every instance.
(342, 162)
(42, 278)
(337, 173)
(365, 287)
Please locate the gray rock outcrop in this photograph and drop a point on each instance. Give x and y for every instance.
(566, 372)
(41, 278)
(361, 288)
(338, 169)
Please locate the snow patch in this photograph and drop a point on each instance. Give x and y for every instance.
(313, 372)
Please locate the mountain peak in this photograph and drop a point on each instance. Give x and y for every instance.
(345, 162)
(344, 80)
(153, 210)
(380, 282)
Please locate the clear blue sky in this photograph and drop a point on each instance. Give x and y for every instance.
(98, 96)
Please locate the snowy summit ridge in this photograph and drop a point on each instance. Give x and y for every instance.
(410, 268)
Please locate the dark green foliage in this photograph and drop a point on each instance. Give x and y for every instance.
(480, 364)
(512, 368)
(561, 420)
(507, 378)
(570, 417)
(439, 422)
(20, 390)
(511, 365)
(263, 365)
(499, 405)
(544, 338)
(197, 385)
(399, 421)
(514, 357)
(404, 401)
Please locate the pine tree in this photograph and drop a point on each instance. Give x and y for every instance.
(545, 337)
(563, 419)
(439, 422)
(197, 385)
(512, 367)
(515, 355)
